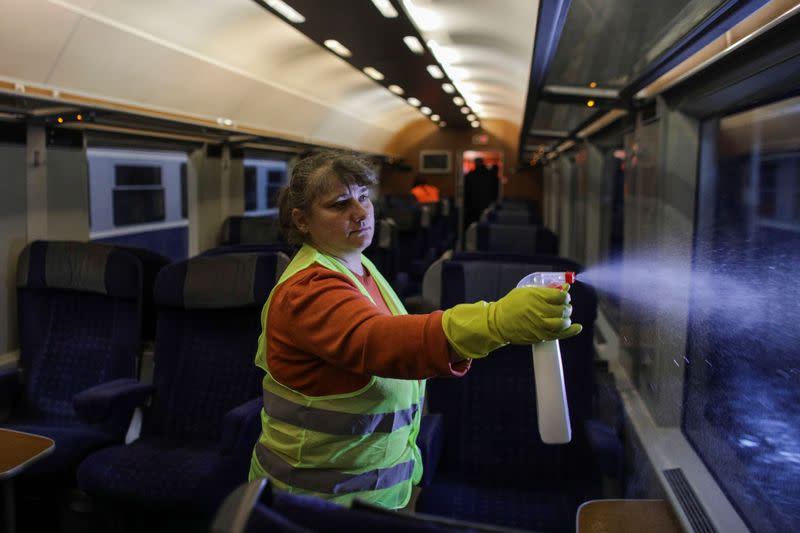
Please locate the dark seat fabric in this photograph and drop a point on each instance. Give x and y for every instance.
(152, 263)
(200, 428)
(491, 438)
(249, 230)
(252, 248)
(538, 510)
(79, 319)
(516, 239)
(255, 508)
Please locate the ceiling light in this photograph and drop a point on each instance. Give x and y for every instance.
(425, 110)
(435, 118)
(414, 45)
(425, 19)
(287, 11)
(590, 103)
(475, 124)
(465, 110)
(222, 121)
(386, 8)
(373, 73)
(413, 101)
(338, 47)
(593, 84)
(471, 116)
(396, 89)
(448, 88)
(60, 120)
(435, 71)
(442, 124)
(458, 100)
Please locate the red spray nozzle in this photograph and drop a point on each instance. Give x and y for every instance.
(569, 277)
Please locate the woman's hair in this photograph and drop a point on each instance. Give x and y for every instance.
(311, 177)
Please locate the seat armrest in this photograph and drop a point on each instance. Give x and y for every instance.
(606, 447)
(10, 388)
(241, 427)
(430, 441)
(112, 402)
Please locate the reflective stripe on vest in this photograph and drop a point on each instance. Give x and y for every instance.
(337, 423)
(360, 444)
(333, 481)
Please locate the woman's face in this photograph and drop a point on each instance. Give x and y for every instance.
(340, 222)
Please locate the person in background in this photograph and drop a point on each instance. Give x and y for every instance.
(424, 192)
(345, 365)
(480, 189)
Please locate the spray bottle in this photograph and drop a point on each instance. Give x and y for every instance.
(551, 396)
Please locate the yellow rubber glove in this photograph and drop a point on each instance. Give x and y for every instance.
(526, 315)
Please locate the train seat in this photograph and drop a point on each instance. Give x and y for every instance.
(152, 263)
(245, 230)
(254, 508)
(512, 217)
(514, 239)
(494, 467)
(253, 248)
(200, 418)
(79, 323)
(384, 248)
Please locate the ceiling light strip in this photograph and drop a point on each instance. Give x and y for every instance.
(386, 8)
(287, 11)
(374, 73)
(414, 45)
(435, 72)
(338, 48)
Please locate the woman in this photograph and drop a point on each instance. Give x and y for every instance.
(345, 365)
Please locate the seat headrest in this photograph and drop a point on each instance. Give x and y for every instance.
(241, 229)
(219, 282)
(79, 266)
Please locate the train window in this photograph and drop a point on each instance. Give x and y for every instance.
(138, 195)
(741, 390)
(138, 198)
(263, 179)
(250, 188)
(275, 180)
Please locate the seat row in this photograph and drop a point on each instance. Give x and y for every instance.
(182, 441)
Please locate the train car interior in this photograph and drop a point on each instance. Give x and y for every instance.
(648, 153)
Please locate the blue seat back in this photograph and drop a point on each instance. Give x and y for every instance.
(79, 308)
(244, 230)
(208, 328)
(516, 239)
(255, 508)
(491, 428)
(152, 263)
(253, 248)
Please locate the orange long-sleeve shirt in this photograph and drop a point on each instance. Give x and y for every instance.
(324, 337)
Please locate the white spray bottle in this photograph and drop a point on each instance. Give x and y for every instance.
(551, 395)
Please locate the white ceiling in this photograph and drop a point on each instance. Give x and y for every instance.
(234, 59)
(488, 45)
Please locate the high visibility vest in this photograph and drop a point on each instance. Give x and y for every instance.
(361, 444)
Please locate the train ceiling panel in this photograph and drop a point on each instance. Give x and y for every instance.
(112, 54)
(240, 64)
